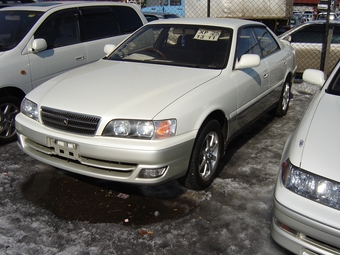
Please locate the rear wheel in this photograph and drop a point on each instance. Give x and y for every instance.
(9, 108)
(205, 156)
(284, 101)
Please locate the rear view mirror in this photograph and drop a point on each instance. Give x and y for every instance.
(108, 48)
(314, 76)
(288, 38)
(39, 45)
(247, 61)
(12, 17)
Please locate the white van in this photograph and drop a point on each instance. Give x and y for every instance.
(41, 40)
(323, 6)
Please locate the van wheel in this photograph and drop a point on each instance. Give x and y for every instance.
(205, 156)
(9, 108)
(284, 101)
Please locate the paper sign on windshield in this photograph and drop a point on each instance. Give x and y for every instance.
(207, 35)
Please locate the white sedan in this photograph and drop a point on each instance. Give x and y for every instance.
(163, 105)
(306, 208)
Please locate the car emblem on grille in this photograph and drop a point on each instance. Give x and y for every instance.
(65, 121)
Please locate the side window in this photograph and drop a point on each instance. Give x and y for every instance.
(247, 43)
(175, 2)
(267, 42)
(336, 35)
(98, 22)
(308, 34)
(150, 17)
(129, 20)
(59, 29)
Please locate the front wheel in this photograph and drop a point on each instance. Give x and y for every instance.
(284, 101)
(9, 108)
(205, 156)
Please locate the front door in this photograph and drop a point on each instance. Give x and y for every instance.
(65, 50)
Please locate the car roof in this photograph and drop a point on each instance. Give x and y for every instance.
(320, 22)
(158, 13)
(220, 22)
(46, 6)
(325, 13)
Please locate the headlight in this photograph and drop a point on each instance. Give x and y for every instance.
(143, 129)
(310, 185)
(30, 109)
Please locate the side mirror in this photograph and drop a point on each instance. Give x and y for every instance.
(314, 76)
(39, 45)
(247, 61)
(108, 48)
(287, 38)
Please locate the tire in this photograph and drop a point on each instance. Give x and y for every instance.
(205, 157)
(9, 108)
(282, 107)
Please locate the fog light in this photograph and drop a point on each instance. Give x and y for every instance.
(151, 172)
(285, 227)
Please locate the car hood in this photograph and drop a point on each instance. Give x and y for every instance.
(320, 150)
(113, 89)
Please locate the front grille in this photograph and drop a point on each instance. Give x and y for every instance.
(69, 121)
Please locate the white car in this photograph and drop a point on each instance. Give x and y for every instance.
(306, 208)
(41, 40)
(307, 40)
(324, 15)
(163, 105)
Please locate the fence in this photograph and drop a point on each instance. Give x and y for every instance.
(317, 43)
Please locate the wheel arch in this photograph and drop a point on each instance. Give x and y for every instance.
(12, 91)
(222, 120)
(192, 178)
(290, 77)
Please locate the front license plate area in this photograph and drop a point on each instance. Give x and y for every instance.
(65, 149)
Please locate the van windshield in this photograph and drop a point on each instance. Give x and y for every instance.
(14, 25)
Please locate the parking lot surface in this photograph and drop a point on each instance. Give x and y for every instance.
(44, 210)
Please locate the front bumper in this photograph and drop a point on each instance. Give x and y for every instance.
(302, 235)
(114, 159)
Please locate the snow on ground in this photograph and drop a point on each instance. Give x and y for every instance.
(48, 211)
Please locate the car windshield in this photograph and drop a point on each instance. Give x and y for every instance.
(171, 16)
(334, 86)
(323, 16)
(180, 45)
(14, 25)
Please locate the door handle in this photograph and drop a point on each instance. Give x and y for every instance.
(265, 75)
(80, 58)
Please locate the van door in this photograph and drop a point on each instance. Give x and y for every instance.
(64, 48)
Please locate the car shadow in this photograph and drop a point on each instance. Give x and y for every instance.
(74, 197)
